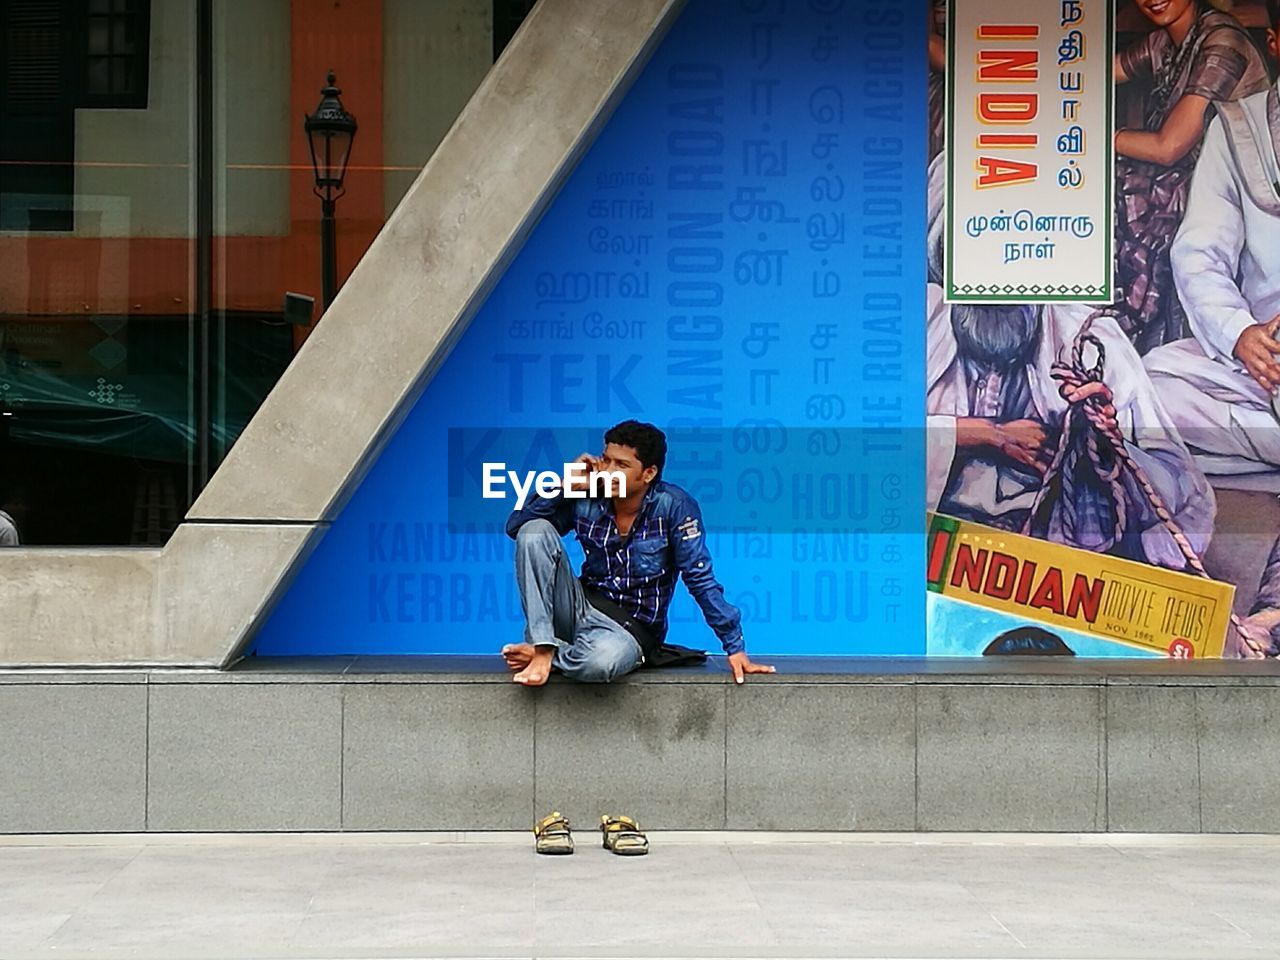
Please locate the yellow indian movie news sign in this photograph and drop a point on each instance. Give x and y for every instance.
(1177, 614)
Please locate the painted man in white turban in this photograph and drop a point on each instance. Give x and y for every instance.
(995, 413)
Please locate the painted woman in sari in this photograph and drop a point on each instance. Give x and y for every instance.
(1196, 56)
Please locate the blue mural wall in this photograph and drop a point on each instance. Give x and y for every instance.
(736, 259)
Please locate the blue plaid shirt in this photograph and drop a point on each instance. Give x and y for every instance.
(638, 571)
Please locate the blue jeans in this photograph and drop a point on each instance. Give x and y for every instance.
(590, 646)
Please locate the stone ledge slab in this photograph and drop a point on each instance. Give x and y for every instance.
(327, 752)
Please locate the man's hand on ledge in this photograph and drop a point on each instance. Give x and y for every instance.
(741, 665)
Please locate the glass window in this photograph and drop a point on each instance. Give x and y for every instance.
(404, 69)
(507, 17)
(98, 288)
(116, 43)
(160, 231)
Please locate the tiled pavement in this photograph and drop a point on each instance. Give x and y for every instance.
(695, 895)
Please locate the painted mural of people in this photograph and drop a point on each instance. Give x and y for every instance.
(1221, 384)
(1028, 641)
(995, 412)
(1197, 56)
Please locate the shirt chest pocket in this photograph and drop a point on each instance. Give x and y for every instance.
(649, 556)
(593, 534)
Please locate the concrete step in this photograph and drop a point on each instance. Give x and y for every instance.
(431, 743)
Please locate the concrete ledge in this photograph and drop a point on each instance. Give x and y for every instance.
(345, 743)
(78, 606)
(217, 582)
(806, 670)
(843, 671)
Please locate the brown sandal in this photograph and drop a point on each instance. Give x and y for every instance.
(552, 836)
(623, 836)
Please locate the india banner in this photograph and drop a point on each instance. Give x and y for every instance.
(1029, 158)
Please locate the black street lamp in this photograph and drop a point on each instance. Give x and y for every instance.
(330, 133)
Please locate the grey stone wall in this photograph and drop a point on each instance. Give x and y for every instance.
(349, 745)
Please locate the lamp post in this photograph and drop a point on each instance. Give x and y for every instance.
(330, 133)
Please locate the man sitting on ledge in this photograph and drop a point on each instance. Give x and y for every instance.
(634, 540)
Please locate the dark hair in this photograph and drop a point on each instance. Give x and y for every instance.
(649, 443)
(1273, 14)
(1028, 642)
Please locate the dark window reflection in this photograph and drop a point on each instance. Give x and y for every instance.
(156, 207)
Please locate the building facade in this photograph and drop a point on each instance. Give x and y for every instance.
(157, 205)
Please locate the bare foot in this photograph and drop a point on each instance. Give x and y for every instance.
(539, 669)
(517, 655)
